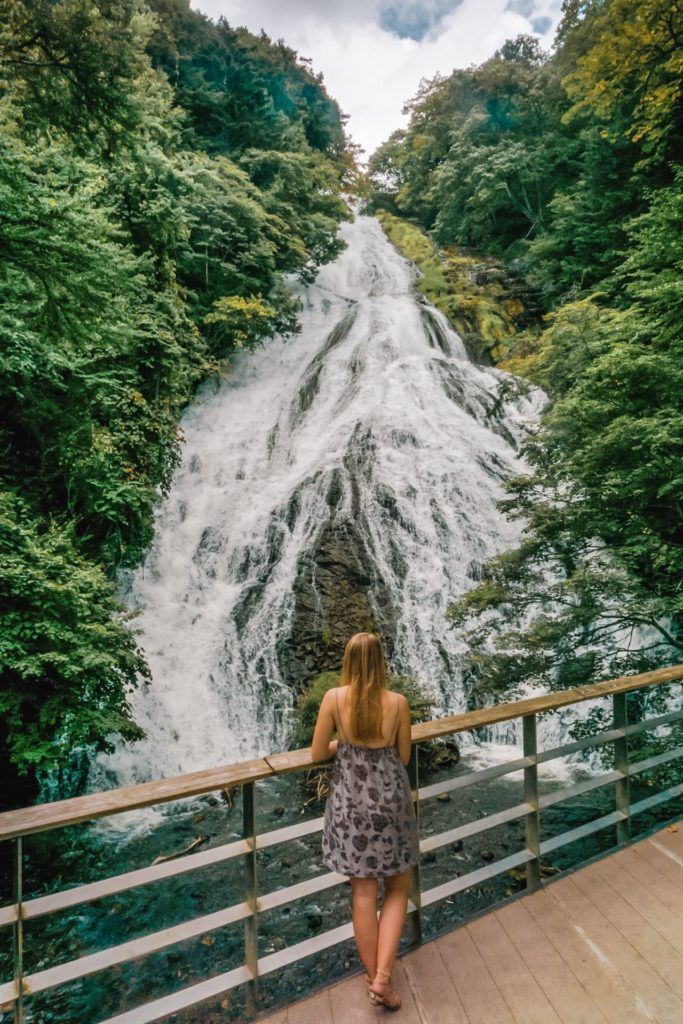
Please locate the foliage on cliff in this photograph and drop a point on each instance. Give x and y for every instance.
(477, 295)
(159, 175)
(565, 164)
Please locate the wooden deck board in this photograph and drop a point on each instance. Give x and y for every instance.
(517, 985)
(659, 869)
(572, 1003)
(432, 987)
(483, 1002)
(603, 945)
(621, 955)
(587, 961)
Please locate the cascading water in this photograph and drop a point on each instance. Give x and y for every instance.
(372, 415)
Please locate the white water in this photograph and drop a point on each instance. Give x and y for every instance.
(376, 391)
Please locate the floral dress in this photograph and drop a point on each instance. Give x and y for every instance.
(370, 828)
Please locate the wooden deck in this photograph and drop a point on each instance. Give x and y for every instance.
(603, 945)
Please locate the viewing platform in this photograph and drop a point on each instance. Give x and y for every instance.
(603, 945)
(575, 945)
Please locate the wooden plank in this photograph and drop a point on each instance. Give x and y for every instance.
(534, 705)
(435, 995)
(672, 838)
(60, 813)
(399, 979)
(633, 894)
(664, 1005)
(659, 861)
(567, 996)
(651, 875)
(622, 911)
(290, 760)
(314, 1010)
(587, 961)
(672, 855)
(279, 1017)
(516, 983)
(349, 1002)
(472, 979)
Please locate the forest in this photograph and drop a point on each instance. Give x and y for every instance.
(565, 167)
(160, 176)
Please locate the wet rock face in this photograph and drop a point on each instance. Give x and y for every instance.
(336, 595)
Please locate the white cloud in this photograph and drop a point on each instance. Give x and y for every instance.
(371, 70)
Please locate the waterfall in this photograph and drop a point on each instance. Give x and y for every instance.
(373, 415)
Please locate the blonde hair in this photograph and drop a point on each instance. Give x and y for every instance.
(364, 672)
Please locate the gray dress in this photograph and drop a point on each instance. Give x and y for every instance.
(370, 829)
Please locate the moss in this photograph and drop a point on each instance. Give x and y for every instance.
(473, 292)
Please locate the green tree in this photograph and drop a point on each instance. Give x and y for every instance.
(141, 244)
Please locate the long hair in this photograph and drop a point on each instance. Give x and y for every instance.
(364, 672)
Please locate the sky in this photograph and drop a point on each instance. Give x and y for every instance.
(373, 53)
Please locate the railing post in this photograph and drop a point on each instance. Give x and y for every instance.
(414, 919)
(18, 932)
(251, 893)
(622, 786)
(532, 826)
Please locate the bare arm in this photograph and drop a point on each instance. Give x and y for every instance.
(322, 747)
(403, 743)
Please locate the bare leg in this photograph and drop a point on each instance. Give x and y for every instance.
(391, 921)
(365, 926)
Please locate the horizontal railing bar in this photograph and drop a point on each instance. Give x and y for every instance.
(291, 954)
(472, 778)
(8, 914)
(472, 828)
(266, 965)
(158, 1008)
(558, 797)
(657, 798)
(60, 813)
(588, 741)
(9, 992)
(654, 723)
(538, 705)
(318, 883)
(655, 760)
(581, 831)
(132, 950)
(77, 809)
(283, 835)
(143, 876)
(121, 883)
(440, 892)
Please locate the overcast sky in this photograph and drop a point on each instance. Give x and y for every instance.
(373, 53)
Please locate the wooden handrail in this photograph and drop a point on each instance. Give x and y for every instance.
(60, 813)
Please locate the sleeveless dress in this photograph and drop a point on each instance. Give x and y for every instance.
(370, 828)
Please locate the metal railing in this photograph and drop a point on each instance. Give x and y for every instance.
(15, 825)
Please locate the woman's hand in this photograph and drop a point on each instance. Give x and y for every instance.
(322, 748)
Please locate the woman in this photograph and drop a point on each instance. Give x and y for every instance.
(370, 829)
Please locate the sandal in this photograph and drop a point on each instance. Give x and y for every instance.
(388, 999)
